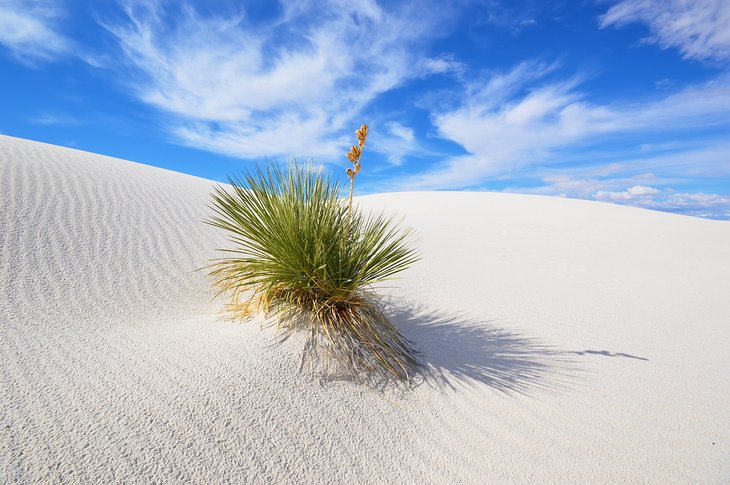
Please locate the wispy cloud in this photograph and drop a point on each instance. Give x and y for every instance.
(633, 191)
(396, 142)
(511, 16)
(700, 29)
(287, 87)
(28, 29)
(523, 118)
(55, 119)
(647, 182)
(694, 204)
(443, 64)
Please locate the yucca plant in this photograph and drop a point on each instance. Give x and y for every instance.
(308, 261)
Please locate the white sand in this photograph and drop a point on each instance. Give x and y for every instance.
(569, 341)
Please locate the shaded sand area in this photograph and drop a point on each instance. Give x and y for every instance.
(566, 341)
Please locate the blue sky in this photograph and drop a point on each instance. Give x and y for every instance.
(622, 101)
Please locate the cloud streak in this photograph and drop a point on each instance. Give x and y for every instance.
(693, 204)
(28, 30)
(522, 118)
(646, 182)
(288, 87)
(700, 29)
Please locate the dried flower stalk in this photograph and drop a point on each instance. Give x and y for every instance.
(354, 156)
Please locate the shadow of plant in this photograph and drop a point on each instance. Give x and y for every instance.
(458, 350)
(606, 353)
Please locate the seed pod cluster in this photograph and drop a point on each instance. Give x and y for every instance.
(355, 152)
(354, 156)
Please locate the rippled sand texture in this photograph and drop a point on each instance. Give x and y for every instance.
(566, 341)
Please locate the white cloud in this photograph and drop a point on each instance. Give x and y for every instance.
(633, 182)
(518, 119)
(286, 88)
(28, 30)
(512, 16)
(399, 131)
(637, 192)
(695, 204)
(633, 191)
(395, 141)
(288, 133)
(440, 65)
(55, 119)
(710, 159)
(585, 185)
(700, 29)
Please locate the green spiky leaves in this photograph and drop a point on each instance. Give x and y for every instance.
(301, 259)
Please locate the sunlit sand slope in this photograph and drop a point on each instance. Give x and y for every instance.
(566, 341)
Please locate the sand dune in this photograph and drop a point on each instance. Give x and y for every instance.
(567, 341)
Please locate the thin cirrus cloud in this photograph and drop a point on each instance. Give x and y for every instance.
(397, 141)
(285, 87)
(521, 118)
(55, 119)
(28, 30)
(694, 204)
(629, 191)
(634, 181)
(700, 29)
(657, 167)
